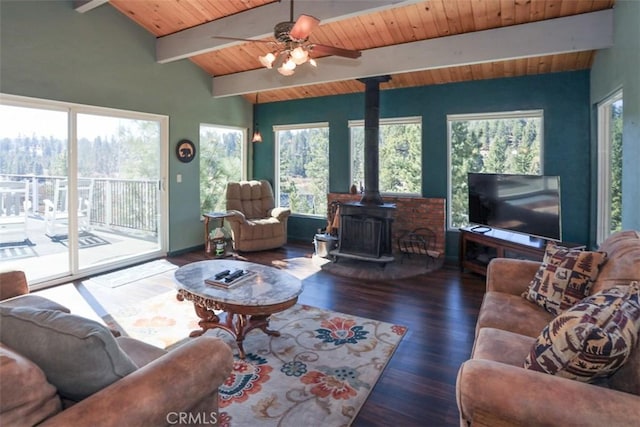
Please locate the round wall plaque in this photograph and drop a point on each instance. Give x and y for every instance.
(185, 151)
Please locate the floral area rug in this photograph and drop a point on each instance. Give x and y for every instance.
(319, 371)
(161, 321)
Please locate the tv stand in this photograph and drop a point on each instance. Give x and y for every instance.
(478, 248)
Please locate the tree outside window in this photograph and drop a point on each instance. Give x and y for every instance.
(400, 155)
(221, 161)
(303, 173)
(509, 143)
(616, 167)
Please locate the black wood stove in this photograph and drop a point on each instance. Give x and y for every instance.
(365, 226)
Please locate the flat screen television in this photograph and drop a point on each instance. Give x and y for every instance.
(528, 204)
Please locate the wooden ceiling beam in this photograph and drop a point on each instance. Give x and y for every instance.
(258, 23)
(584, 32)
(83, 6)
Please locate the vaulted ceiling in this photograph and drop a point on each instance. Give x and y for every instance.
(416, 42)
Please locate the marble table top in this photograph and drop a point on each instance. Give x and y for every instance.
(269, 286)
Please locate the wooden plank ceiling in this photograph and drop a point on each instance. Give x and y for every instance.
(413, 22)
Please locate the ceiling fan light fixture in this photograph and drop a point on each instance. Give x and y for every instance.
(293, 45)
(267, 60)
(285, 71)
(299, 55)
(289, 64)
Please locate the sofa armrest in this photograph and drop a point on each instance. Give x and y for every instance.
(12, 284)
(509, 275)
(280, 213)
(187, 378)
(516, 396)
(235, 217)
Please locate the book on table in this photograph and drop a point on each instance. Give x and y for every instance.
(228, 279)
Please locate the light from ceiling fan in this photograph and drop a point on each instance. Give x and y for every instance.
(294, 57)
(288, 66)
(299, 55)
(267, 60)
(285, 72)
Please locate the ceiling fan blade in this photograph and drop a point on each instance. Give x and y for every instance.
(303, 27)
(238, 39)
(337, 51)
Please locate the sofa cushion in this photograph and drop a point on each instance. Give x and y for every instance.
(623, 264)
(79, 356)
(26, 397)
(265, 228)
(564, 277)
(591, 340)
(140, 352)
(512, 313)
(502, 346)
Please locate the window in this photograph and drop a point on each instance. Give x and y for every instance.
(221, 161)
(509, 142)
(400, 155)
(302, 181)
(609, 166)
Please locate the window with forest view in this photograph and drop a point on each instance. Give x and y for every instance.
(400, 155)
(221, 161)
(302, 181)
(509, 143)
(609, 166)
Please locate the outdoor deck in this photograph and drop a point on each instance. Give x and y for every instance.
(30, 248)
(117, 219)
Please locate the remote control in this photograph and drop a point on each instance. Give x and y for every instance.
(221, 274)
(233, 276)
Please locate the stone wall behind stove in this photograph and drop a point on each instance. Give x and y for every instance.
(411, 213)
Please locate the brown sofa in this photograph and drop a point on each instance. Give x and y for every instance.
(494, 389)
(161, 387)
(256, 224)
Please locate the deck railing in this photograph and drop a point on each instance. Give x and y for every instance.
(121, 204)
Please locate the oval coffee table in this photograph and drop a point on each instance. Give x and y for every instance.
(247, 305)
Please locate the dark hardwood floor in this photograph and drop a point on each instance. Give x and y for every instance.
(417, 388)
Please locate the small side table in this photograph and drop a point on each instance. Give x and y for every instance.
(208, 217)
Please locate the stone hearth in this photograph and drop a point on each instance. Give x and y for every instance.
(401, 268)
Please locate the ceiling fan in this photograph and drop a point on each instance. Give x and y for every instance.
(293, 47)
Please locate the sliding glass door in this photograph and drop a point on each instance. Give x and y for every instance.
(92, 197)
(33, 154)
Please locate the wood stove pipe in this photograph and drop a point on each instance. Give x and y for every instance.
(371, 194)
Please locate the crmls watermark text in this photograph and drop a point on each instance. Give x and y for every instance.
(191, 418)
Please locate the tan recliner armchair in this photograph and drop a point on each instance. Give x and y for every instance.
(256, 224)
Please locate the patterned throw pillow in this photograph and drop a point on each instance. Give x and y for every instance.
(592, 339)
(564, 278)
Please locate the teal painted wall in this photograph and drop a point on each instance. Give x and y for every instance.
(564, 97)
(613, 69)
(50, 51)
